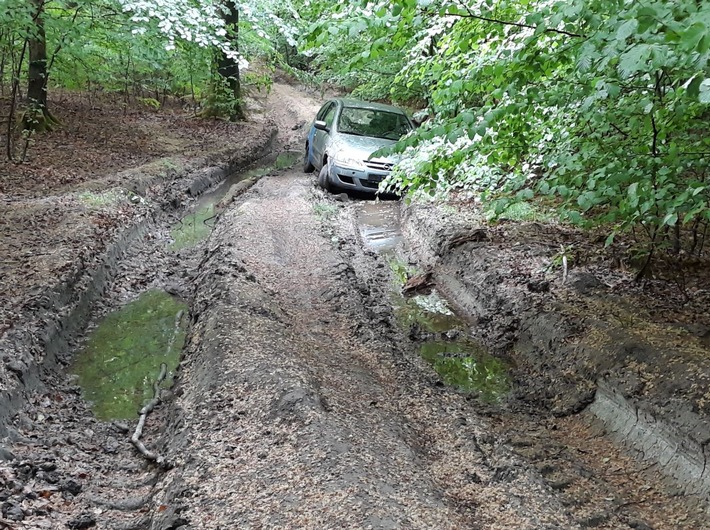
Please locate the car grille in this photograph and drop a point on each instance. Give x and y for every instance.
(379, 166)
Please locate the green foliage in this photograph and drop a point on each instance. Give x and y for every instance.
(598, 106)
(325, 211)
(147, 50)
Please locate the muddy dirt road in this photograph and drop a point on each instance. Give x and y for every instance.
(292, 387)
(310, 394)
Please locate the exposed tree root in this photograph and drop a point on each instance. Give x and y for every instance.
(130, 504)
(137, 524)
(147, 409)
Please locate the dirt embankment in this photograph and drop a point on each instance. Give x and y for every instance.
(61, 250)
(594, 343)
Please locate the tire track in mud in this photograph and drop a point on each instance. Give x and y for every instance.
(599, 485)
(294, 413)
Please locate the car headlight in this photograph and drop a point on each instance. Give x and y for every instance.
(343, 159)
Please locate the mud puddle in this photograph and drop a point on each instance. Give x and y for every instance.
(198, 224)
(378, 223)
(461, 362)
(467, 366)
(122, 356)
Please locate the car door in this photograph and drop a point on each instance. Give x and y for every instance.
(321, 138)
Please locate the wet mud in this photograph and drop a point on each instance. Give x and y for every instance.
(573, 352)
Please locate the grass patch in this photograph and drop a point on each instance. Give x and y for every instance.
(527, 211)
(325, 211)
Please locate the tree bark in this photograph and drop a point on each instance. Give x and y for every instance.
(37, 118)
(227, 67)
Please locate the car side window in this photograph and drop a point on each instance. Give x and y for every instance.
(329, 116)
(323, 110)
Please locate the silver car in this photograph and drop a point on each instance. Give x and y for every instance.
(342, 139)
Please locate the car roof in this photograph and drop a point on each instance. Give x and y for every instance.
(359, 104)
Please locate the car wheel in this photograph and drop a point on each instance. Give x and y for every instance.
(323, 179)
(307, 166)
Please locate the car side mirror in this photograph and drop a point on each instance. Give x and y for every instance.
(321, 125)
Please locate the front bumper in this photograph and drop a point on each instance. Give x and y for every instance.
(366, 180)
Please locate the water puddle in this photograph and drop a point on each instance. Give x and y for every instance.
(429, 313)
(467, 366)
(122, 357)
(379, 225)
(461, 363)
(198, 224)
(195, 226)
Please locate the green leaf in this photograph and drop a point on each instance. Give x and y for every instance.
(634, 60)
(693, 35)
(704, 91)
(632, 190)
(627, 29)
(671, 219)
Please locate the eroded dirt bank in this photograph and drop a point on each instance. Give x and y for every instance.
(596, 342)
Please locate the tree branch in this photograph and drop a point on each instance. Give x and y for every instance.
(476, 16)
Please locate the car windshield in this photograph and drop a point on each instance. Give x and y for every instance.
(373, 123)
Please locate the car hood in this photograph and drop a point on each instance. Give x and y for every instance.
(361, 147)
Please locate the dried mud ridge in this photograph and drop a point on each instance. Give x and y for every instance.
(302, 404)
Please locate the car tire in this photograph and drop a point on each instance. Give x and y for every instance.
(323, 181)
(307, 166)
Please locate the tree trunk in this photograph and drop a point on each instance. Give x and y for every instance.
(37, 117)
(227, 67)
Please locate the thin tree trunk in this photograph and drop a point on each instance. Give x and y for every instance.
(13, 100)
(37, 117)
(2, 63)
(228, 67)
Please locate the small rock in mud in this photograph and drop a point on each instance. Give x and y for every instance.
(538, 286)
(85, 520)
(583, 282)
(6, 455)
(13, 511)
(111, 445)
(294, 402)
(121, 427)
(71, 486)
(48, 466)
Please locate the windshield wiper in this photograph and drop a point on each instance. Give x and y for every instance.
(353, 133)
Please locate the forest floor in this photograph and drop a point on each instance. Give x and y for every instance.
(301, 399)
